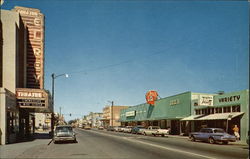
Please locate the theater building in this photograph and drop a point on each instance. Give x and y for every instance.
(189, 111)
(22, 91)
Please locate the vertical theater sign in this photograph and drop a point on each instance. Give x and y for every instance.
(34, 23)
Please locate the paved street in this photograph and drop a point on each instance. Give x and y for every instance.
(104, 144)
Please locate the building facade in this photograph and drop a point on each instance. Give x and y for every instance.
(111, 115)
(22, 91)
(188, 112)
(93, 120)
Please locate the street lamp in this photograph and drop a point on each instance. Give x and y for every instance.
(53, 87)
(112, 104)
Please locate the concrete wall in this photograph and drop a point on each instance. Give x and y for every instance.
(10, 24)
(2, 116)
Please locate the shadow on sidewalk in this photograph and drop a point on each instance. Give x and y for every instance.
(36, 136)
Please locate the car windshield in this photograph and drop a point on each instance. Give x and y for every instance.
(63, 129)
(219, 131)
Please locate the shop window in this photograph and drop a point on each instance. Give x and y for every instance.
(218, 110)
(211, 110)
(202, 111)
(226, 109)
(197, 112)
(236, 108)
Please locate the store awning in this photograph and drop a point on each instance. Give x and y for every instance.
(220, 116)
(192, 117)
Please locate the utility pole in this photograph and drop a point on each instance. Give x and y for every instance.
(112, 105)
(60, 110)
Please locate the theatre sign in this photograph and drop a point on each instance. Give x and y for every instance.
(32, 98)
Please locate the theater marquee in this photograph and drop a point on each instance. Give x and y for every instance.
(32, 98)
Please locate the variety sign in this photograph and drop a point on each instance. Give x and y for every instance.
(230, 99)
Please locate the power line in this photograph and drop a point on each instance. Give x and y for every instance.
(115, 64)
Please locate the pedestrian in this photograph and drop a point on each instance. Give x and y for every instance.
(236, 132)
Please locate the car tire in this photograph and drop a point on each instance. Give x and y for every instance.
(162, 135)
(225, 142)
(153, 134)
(192, 138)
(211, 140)
(144, 134)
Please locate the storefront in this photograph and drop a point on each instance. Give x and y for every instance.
(227, 110)
(166, 113)
(29, 102)
(9, 117)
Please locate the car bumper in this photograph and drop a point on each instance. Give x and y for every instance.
(229, 140)
(64, 139)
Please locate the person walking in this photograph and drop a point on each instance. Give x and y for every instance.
(236, 132)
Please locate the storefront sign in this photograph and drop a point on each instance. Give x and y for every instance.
(151, 97)
(206, 100)
(130, 113)
(230, 99)
(174, 102)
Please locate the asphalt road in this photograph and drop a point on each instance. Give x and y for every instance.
(104, 144)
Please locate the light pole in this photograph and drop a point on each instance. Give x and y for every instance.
(53, 87)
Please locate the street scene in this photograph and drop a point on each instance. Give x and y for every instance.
(103, 144)
(124, 79)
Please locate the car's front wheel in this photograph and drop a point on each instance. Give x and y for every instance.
(211, 140)
(192, 138)
(225, 142)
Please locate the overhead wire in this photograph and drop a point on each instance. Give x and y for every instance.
(113, 65)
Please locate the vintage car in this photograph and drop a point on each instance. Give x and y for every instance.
(139, 129)
(87, 127)
(212, 135)
(156, 130)
(64, 133)
(128, 129)
(100, 128)
(110, 128)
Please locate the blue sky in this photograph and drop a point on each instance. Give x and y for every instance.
(118, 50)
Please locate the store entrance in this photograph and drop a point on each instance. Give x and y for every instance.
(175, 127)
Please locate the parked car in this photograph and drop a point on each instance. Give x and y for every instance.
(122, 129)
(87, 127)
(117, 128)
(100, 128)
(128, 129)
(110, 128)
(64, 133)
(139, 129)
(156, 130)
(212, 135)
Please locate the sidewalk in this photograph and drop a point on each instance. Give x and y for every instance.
(17, 149)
